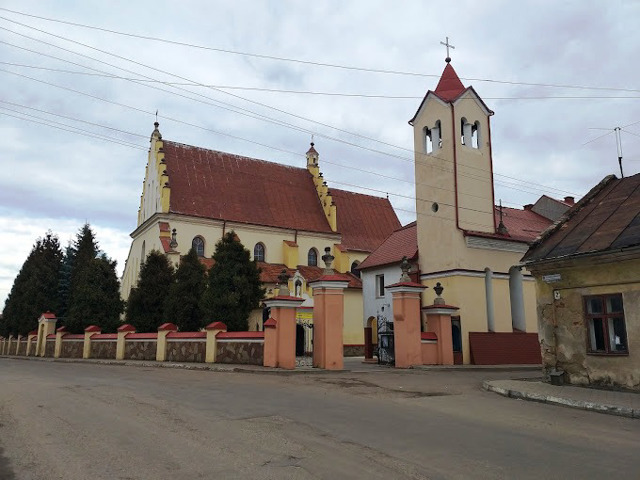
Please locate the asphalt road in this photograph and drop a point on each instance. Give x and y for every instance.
(85, 421)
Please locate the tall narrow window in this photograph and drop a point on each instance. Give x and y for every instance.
(258, 252)
(379, 286)
(465, 132)
(312, 258)
(432, 138)
(606, 325)
(428, 142)
(144, 251)
(198, 245)
(475, 135)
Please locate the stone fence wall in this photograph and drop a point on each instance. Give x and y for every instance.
(213, 345)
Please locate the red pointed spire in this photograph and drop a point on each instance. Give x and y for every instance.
(449, 86)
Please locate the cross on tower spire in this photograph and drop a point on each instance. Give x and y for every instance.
(448, 45)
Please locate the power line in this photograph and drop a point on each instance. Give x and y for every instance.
(546, 188)
(309, 92)
(307, 62)
(506, 184)
(75, 130)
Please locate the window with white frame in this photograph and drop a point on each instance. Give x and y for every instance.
(198, 245)
(312, 257)
(258, 252)
(606, 329)
(379, 286)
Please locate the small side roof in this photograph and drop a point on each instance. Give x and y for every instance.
(606, 219)
(401, 243)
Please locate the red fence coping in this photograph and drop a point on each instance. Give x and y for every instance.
(168, 326)
(240, 335)
(140, 336)
(428, 336)
(73, 336)
(126, 328)
(33, 332)
(187, 335)
(51, 335)
(104, 336)
(92, 328)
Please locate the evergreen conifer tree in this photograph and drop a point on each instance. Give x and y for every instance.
(145, 306)
(234, 286)
(182, 306)
(65, 280)
(35, 289)
(96, 297)
(83, 252)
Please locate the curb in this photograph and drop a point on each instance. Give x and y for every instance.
(562, 401)
(182, 366)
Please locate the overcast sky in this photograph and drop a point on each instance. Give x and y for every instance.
(542, 143)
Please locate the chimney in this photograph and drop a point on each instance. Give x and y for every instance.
(569, 200)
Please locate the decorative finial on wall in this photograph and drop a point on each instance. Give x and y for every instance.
(327, 258)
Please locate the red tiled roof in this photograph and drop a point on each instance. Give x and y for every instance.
(522, 225)
(363, 220)
(212, 184)
(607, 218)
(403, 242)
(449, 87)
(270, 271)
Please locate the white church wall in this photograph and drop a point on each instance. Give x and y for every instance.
(372, 302)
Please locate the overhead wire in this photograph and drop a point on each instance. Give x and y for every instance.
(545, 188)
(307, 92)
(308, 62)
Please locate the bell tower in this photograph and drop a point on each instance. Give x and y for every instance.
(454, 173)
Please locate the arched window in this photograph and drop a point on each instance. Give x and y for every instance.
(475, 135)
(312, 258)
(354, 268)
(465, 132)
(258, 252)
(198, 245)
(144, 251)
(432, 138)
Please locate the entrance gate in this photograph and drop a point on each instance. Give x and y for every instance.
(386, 348)
(304, 342)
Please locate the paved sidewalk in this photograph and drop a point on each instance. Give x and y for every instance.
(624, 404)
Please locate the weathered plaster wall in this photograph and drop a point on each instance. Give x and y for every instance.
(140, 350)
(105, 350)
(564, 319)
(250, 353)
(50, 348)
(22, 347)
(186, 351)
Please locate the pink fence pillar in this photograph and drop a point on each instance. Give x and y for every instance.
(406, 323)
(283, 311)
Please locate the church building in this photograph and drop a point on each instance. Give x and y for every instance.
(461, 238)
(286, 216)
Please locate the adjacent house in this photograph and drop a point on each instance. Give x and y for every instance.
(587, 272)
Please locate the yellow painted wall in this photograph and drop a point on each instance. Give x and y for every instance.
(353, 329)
(468, 294)
(579, 279)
